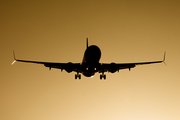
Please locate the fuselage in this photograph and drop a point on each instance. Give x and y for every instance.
(90, 61)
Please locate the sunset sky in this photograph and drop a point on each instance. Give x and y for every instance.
(56, 31)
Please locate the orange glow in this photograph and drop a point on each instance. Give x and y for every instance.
(56, 31)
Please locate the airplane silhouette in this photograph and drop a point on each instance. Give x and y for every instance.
(90, 64)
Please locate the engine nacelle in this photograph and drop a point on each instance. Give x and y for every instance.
(69, 67)
(113, 68)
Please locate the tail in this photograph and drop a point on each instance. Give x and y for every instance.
(87, 42)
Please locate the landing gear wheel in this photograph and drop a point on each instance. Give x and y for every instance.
(102, 76)
(77, 76)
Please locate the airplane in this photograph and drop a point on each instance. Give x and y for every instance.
(90, 64)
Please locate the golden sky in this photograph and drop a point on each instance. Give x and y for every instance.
(56, 31)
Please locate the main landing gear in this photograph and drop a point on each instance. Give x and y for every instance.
(102, 76)
(77, 76)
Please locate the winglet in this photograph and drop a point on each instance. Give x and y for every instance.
(87, 42)
(14, 58)
(14, 55)
(164, 58)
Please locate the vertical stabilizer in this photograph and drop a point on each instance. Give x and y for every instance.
(87, 42)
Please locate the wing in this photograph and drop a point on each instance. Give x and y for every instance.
(113, 67)
(69, 67)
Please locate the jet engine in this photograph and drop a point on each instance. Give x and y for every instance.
(69, 67)
(113, 68)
